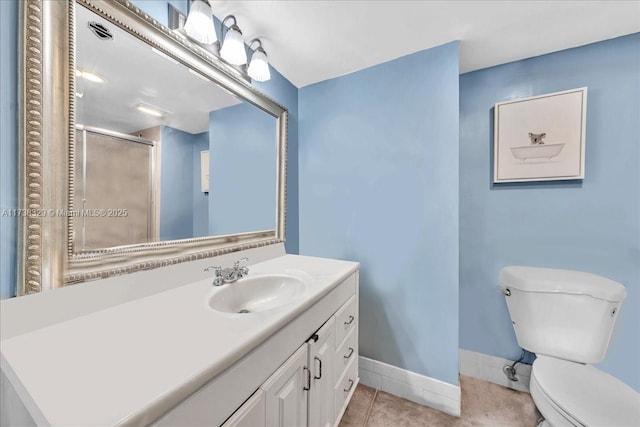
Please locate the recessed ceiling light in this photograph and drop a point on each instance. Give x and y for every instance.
(151, 110)
(87, 75)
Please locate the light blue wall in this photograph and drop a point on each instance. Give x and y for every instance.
(176, 184)
(591, 226)
(8, 144)
(379, 185)
(159, 9)
(242, 158)
(200, 199)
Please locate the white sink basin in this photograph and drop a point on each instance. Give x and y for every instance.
(257, 293)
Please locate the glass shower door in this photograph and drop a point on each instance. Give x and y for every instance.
(114, 192)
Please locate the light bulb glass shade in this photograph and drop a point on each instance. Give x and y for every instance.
(199, 25)
(232, 49)
(259, 66)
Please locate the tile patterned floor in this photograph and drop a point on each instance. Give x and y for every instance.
(483, 404)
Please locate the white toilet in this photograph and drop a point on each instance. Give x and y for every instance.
(566, 318)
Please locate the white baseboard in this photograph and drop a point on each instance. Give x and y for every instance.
(489, 368)
(409, 385)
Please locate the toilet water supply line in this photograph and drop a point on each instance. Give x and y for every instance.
(510, 371)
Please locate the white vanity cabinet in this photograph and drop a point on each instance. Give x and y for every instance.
(286, 392)
(346, 354)
(313, 387)
(303, 375)
(251, 413)
(322, 375)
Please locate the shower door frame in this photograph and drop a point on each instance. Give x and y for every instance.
(154, 199)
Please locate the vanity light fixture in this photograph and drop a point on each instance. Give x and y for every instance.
(87, 75)
(151, 110)
(259, 66)
(232, 49)
(199, 25)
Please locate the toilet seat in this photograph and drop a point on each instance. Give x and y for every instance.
(552, 413)
(572, 394)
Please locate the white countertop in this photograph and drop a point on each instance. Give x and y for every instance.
(130, 363)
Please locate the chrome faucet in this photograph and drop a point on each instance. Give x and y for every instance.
(229, 274)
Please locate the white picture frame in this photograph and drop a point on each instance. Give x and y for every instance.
(540, 138)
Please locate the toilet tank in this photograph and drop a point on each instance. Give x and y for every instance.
(562, 313)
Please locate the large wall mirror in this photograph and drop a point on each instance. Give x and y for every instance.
(140, 148)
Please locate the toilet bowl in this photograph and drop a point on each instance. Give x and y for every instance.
(570, 394)
(567, 318)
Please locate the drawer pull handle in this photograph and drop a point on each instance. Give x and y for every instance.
(319, 368)
(350, 321)
(308, 386)
(346, 356)
(348, 389)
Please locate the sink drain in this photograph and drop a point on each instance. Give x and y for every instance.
(243, 311)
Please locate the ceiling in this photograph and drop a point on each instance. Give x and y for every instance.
(134, 74)
(310, 41)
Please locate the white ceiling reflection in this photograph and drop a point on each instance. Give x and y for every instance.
(134, 74)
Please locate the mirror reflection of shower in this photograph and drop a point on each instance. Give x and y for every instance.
(114, 197)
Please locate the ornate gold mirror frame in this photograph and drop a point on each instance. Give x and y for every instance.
(46, 258)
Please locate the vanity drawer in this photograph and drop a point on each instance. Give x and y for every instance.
(346, 319)
(345, 387)
(347, 351)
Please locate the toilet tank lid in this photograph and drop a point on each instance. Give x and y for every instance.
(535, 279)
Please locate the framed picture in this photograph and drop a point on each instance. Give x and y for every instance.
(540, 138)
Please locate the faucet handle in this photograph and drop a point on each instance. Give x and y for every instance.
(216, 269)
(218, 279)
(237, 263)
(242, 271)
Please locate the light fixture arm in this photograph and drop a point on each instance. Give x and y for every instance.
(258, 48)
(233, 26)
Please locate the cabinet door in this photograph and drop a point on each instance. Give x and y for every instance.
(250, 414)
(322, 364)
(286, 392)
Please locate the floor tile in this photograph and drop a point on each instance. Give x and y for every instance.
(486, 402)
(356, 412)
(483, 405)
(392, 411)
